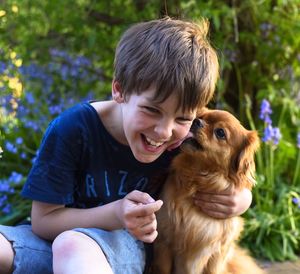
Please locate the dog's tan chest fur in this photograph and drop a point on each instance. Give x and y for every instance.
(190, 232)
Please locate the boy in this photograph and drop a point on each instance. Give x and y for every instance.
(96, 159)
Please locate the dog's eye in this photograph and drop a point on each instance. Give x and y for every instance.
(220, 133)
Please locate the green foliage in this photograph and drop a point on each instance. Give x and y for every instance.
(55, 53)
(272, 227)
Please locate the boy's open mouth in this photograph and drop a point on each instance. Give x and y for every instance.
(151, 142)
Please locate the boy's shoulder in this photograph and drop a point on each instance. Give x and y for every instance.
(81, 114)
(75, 123)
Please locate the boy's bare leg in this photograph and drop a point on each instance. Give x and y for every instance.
(6, 256)
(74, 252)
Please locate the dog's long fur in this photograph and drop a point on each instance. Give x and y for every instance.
(190, 242)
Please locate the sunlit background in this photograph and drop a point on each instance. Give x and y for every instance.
(54, 54)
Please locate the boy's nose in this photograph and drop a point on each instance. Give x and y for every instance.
(164, 130)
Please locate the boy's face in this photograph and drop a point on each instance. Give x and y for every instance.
(151, 128)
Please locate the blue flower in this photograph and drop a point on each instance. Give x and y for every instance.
(3, 200)
(2, 67)
(19, 140)
(55, 109)
(15, 177)
(276, 135)
(272, 134)
(82, 61)
(267, 133)
(10, 147)
(265, 111)
(296, 201)
(29, 98)
(7, 209)
(298, 140)
(5, 187)
(32, 124)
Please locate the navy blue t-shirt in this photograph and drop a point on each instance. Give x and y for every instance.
(81, 165)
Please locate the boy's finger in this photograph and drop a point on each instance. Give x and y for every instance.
(148, 228)
(149, 238)
(146, 210)
(140, 197)
(215, 207)
(213, 198)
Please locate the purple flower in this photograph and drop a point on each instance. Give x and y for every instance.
(276, 135)
(15, 177)
(7, 209)
(32, 124)
(64, 71)
(10, 147)
(272, 135)
(5, 187)
(231, 55)
(29, 98)
(267, 133)
(296, 201)
(82, 61)
(265, 111)
(59, 53)
(266, 28)
(2, 67)
(55, 109)
(19, 140)
(3, 200)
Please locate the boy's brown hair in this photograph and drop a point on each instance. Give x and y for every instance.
(174, 56)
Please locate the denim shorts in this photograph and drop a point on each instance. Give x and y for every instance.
(125, 254)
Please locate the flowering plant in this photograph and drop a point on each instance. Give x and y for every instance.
(26, 88)
(273, 222)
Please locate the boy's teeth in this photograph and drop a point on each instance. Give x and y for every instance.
(153, 143)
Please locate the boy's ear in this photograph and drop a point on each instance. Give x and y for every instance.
(117, 93)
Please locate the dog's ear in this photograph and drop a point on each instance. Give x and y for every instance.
(244, 164)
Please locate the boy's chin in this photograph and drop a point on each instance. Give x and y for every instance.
(146, 159)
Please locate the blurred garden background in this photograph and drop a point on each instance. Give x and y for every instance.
(54, 54)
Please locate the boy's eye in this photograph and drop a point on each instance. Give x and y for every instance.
(185, 120)
(151, 109)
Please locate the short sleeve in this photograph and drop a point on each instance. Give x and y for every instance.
(55, 171)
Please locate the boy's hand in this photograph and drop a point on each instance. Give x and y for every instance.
(228, 203)
(137, 214)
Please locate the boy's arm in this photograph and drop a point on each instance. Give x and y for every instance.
(228, 203)
(135, 212)
(49, 220)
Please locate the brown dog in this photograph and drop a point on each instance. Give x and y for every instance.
(190, 242)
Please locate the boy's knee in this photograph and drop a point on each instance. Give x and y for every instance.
(70, 243)
(70, 254)
(6, 256)
(65, 243)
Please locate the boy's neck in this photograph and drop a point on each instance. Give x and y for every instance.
(111, 116)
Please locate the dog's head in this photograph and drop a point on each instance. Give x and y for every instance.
(222, 144)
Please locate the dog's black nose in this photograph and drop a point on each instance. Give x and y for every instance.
(197, 123)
